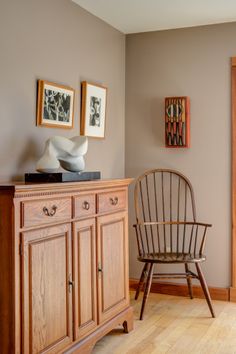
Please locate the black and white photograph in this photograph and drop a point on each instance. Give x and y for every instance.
(93, 110)
(55, 105)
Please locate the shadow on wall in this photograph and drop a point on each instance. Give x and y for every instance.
(157, 125)
(28, 157)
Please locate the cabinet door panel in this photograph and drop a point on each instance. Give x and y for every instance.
(112, 257)
(84, 268)
(47, 302)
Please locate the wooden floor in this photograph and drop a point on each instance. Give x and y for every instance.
(175, 325)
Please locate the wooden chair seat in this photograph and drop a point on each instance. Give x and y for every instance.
(167, 230)
(173, 257)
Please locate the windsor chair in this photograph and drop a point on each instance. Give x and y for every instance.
(167, 231)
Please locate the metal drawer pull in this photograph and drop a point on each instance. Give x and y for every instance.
(114, 201)
(71, 283)
(100, 270)
(86, 205)
(50, 213)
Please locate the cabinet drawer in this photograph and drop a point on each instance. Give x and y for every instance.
(111, 201)
(85, 205)
(45, 211)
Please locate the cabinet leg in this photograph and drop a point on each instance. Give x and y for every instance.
(128, 325)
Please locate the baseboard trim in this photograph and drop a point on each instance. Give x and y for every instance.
(232, 294)
(223, 294)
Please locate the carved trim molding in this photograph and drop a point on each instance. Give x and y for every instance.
(53, 189)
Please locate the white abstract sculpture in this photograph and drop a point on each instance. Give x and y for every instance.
(64, 152)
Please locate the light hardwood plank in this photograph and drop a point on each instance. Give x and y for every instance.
(175, 325)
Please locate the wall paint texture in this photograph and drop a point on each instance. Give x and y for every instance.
(58, 41)
(192, 62)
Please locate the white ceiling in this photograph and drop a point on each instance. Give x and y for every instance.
(132, 16)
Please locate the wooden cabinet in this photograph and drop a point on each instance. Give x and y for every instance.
(64, 265)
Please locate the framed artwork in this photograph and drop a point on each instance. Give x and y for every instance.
(55, 105)
(93, 110)
(177, 125)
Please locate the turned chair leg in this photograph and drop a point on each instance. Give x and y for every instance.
(141, 281)
(189, 282)
(147, 290)
(205, 289)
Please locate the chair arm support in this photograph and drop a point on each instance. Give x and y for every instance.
(149, 223)
(194, 231)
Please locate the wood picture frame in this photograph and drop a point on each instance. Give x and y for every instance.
(177, 122)
(93, 110)
(55, 105)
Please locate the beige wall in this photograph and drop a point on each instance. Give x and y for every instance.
(194, 62)
(56, 40)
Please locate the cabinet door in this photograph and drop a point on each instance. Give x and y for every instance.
(46, 293)
(84, 269)
(112, 265)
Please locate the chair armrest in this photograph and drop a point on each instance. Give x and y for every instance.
(189, 233)
(150, 223)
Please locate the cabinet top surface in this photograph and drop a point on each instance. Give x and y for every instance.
(102, 183)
